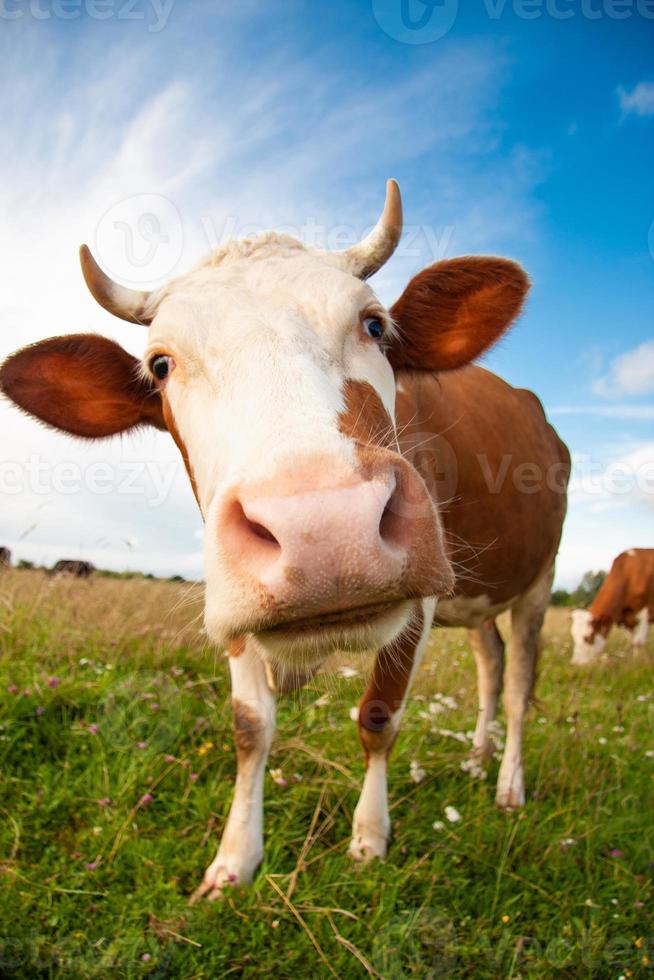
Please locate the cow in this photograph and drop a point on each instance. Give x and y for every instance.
(625, 598)
(356, 474)
(67, 566)
(5, 558)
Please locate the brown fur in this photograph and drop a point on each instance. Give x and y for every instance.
(83, 384)
(387, 688)
(626, 590)
(247, 727)
(454, 310)
(472, 434)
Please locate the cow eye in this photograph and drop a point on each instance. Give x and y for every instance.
(373, 327)
(161, 366)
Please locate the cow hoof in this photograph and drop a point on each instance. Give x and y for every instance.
(368, 846)
(222, 875)
(510, 799)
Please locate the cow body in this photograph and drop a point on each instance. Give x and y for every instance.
(67, 566)
(354, 476)
(5, 557)
(625, 598)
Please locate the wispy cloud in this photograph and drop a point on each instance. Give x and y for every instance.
(639, 101)
(631, 373)
(643, 413)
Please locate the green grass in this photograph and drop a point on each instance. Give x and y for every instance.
(93, 890)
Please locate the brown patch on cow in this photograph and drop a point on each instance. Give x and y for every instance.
(364, 418)
(387, 688)
(237, 646)
(171, 425)
(626, 590)
(247, 729)
(453, 311)
(479, 433)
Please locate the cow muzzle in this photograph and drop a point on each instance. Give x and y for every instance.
(330, 560)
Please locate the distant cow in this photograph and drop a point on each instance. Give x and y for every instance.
(5, 557)
(80, 569)
(626, 598)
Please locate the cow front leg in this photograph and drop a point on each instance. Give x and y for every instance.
(253, 704)
(380, 715)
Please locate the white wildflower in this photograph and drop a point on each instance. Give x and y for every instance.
(472, 767)
(438, 825)
(452, 814)
(354, 713)
(417, 772)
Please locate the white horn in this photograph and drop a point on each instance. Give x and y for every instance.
(369, 255)
(126, 303)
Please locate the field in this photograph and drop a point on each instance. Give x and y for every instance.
(117, 766)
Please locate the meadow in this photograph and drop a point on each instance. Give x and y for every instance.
(116, 772)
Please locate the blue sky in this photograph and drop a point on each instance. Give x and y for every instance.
(526, 136)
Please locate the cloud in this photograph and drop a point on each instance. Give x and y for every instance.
(643, 413)
(631, 373)
(639, 101)
(230, 141)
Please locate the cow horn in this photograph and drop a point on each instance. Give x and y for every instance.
(128, 304)
(369, 255)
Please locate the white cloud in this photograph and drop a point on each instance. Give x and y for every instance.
(639, 101)
(631, 373)
(230, 143)
(643, 413)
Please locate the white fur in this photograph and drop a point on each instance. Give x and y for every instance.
(585, 649)
(264, 336)
(639, 634)
(241, 847)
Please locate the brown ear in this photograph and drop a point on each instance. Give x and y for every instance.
(453, 311)
(83, 384)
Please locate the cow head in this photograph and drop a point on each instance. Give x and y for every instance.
(588, 636)
(272, 365)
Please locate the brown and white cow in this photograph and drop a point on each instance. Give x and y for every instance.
(300, 406)
(625, 598)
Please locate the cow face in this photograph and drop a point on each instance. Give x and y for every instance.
(588, 640)
(272, 366)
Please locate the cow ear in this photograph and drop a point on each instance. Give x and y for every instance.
(453, 311)
(82, 384)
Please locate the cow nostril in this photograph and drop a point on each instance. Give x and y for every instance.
(260, 531)
(393, 526)
(253, 531)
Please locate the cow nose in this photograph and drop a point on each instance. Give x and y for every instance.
(322, 545)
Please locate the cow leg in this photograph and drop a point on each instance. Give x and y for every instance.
(488, 648)
(639, 632)
(253, 704)
(526, 622)
(380, 714)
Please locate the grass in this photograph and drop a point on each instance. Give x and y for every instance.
(117, 763)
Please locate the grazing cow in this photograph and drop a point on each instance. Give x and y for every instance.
(5, 557)
(67, 566)
(347, 481)
(626, 598)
